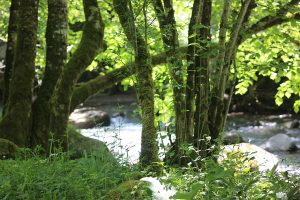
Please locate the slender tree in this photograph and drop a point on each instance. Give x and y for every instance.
(190, 57)
(202, 88)
(149, 151)
(166, 17)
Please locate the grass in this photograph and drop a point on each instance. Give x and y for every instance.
(232, 179)
(59, 178)
(95, 176)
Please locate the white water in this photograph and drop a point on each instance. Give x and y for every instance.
(124, 137)
(159, 191)
(122, 140)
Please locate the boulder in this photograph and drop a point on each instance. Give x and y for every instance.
(119, 114)
(7, 149)
(85, 118)
(295, 123)
(258, 158)
(232, 138)
(81, 146)
(280, 142)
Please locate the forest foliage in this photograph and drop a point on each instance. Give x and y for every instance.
(273, 52)
(181, 56)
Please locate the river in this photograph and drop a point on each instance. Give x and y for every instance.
(123, 136)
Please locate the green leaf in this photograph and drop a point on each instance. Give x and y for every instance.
(278, 101)
(183, 195)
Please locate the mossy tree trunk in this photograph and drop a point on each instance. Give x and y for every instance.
(215, 99)
(191, 70)
(149, 147)
(216, 122)
(201, 130)
(89, 46)
(56, 55)
(166, 17)
(15, 124)
(11, 48)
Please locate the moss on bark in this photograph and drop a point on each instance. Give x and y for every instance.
(7, 149)
(16, 123)
(201, 130)
(56, 54)
(11, 48)
(149, 149)
(91, 41)
(167, 23)
(191, 70)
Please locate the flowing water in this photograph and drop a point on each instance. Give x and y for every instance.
(258, 129)
(123, 136)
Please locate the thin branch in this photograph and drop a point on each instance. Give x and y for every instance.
(291, 39)
(222, 38)
(235, 32)
(270, 20)
(190, 57)
(84, 90)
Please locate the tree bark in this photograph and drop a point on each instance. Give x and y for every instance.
(15, 125)
(149, 147)
(190, 57)
(217, 122)
(165, 15)
(91, 42)
(220, 60)
(56, 55)
(11, 48)
(201, 130)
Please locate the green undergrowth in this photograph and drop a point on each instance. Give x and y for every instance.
(97, 176)
(31, 176)
(36, 177)
(231, 179)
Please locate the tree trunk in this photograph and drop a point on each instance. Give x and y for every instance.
(56, 54)
(15, 125)
(220, 60)
(11, 48)
(190, 57)
(149, 148)
(166, 18)
(201, 130)
(217, 122)
(91, 42)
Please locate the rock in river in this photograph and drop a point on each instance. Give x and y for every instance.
(295, 123)
(232, 138)
(280, 142)
(258, 158)
(85, 118)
